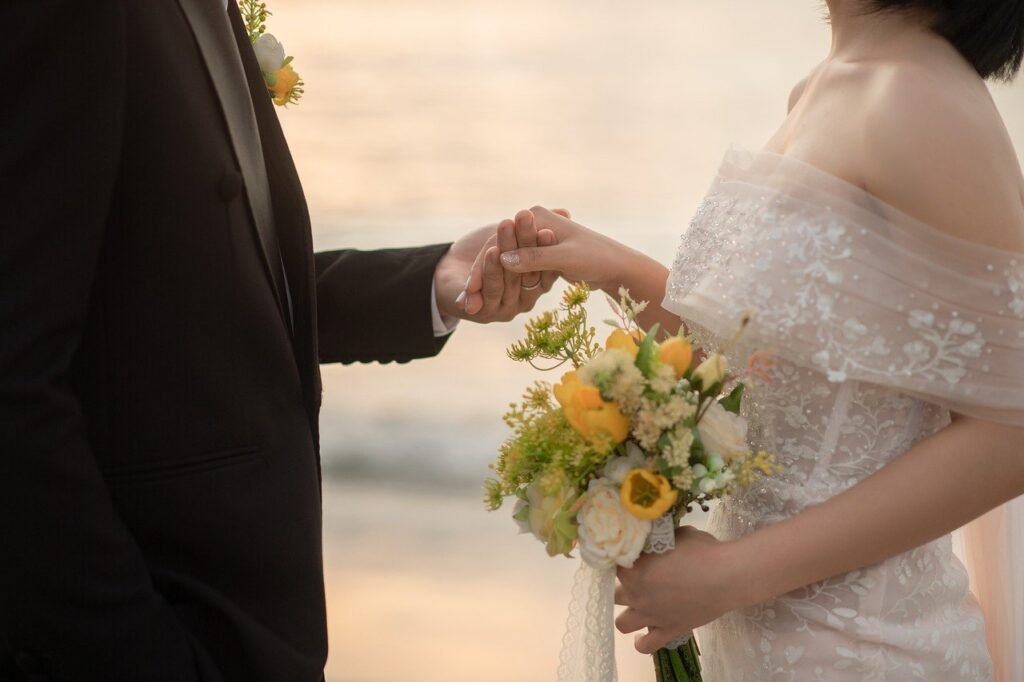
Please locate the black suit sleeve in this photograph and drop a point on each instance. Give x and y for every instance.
(374, 306)
(76, 600)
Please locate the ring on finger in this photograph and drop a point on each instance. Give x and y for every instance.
(531, 287)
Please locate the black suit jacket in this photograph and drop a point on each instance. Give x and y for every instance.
(159, 464)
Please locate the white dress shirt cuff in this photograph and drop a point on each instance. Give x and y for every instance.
(443, 326)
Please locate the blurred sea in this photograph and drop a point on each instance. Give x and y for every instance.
(423, 120)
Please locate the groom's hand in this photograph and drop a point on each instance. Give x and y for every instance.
(497, 295)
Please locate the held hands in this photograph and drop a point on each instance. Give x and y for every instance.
(471, 283)
(498, 295)
(561, 248)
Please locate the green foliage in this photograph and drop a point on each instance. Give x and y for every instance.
(645, 359)
(732, 401)
(254, 15)
(561, 335)
(542, 437)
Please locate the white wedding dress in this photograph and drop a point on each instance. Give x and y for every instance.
(881, 325)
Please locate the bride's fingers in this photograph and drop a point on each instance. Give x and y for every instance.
(548, 277)
(545, 280)
(564, 212)
(629, 621)
(621, 598)
(656, 638)
(526, 236)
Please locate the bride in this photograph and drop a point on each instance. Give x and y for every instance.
(878, 240)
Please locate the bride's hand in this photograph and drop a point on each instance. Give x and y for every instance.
(674, 593)
(581, 254)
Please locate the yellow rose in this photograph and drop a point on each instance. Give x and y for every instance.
(598, 421)
(627, 341)
(678, 353)
(712, 371)
(647, 495)
(285, 79)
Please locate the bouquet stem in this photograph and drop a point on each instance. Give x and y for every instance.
(681, 664)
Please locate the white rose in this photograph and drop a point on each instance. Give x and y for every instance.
(618, 467)
(609, 534)
(269, 53)
(723, 433)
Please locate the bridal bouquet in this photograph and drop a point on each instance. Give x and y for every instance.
(611, 457)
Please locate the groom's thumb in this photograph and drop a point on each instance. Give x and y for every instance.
(530, 259)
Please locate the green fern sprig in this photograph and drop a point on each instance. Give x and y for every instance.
(561, 335)
(254, 15)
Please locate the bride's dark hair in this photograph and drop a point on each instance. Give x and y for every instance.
(988, 33)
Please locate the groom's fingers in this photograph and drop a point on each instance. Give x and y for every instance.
(473, 300)
(493, 284)
(507, 242)
(526, 237)
(476, 273)
(564, 212)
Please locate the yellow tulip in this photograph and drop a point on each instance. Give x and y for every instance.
(598, 421)
(647, 495)
(627, 341)
(678, 353)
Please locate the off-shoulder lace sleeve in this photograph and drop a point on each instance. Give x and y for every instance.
(838, 281)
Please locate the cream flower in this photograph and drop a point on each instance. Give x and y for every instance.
(617, 467)
(723, 433)
(608, 534)
(711, 371)
(547, 500)
(269, 53)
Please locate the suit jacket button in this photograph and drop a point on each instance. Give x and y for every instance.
(230, 185)
(27, 662)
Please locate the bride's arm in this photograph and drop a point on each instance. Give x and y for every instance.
(940, 484)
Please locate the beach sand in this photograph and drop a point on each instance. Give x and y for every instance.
(435, 589)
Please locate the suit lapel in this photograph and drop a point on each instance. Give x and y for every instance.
(292, 220)
(209, 24)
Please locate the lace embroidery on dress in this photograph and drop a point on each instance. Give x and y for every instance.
(881, 325)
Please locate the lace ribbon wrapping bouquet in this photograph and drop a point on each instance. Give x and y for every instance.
(880, 326)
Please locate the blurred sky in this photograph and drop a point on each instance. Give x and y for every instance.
(423, 120)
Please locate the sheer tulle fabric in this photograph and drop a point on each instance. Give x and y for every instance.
(844, 283)
(882, 325)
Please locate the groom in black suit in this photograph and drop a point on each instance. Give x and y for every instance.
(162, 318)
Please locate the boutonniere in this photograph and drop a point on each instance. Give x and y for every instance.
(283, 83)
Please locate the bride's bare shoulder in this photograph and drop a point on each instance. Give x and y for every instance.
(935, 147)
